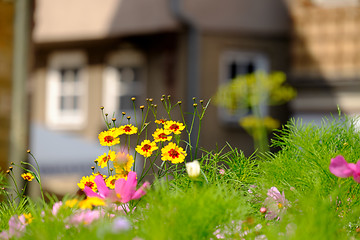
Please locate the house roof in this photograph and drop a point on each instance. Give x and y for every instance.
(68, 20)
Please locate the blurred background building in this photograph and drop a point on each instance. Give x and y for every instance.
(88, 54)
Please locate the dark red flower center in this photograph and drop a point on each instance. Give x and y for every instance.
(89, 184)
(108, 139)
(162, 135)
(146, 148)
(27, 177)
(127, 129)
(173, 153)
(112, 182)
(174, 127)
(106, 158)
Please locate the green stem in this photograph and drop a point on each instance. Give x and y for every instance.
(38, 172)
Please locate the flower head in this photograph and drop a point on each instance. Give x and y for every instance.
(128, 129)
(340, 168)
(87, 181)
(122, 164)
(56, 207)
(161, 135)
(276, 204)
(109, 138)
(146, 148)
(193, 169)
(27, 176)
(85, 217)
(105, 158)
(125, 190)
(28, 217)
(174, 127)
(160, 121)
(91, 202)
(71, 202)
(110, 181)
(173, 153)
(120, 224)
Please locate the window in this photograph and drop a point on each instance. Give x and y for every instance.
(66, 91)
(238, 63)
(123, 79)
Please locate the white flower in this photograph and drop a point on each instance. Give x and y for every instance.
(193, 169)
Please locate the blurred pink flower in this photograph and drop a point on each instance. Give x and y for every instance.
(125, 190)
(85, 217)
(120, 224)
(17, 227)
(340, 168)
(56, 208)
(221, 171)
(276, 204)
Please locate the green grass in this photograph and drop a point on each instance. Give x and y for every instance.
(321, 205)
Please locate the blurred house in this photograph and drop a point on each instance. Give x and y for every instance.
(101, 53)
(325, 65)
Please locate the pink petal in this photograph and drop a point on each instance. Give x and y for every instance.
(356, 171)
(141, 191)
(101, 186)
(90, 193)
(340, 168)
(120, 186)
(126, 188)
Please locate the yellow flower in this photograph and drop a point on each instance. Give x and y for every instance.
(27, 176)
(146, 148)
(173, 153)
(71, 203)
(109, 138)
(128, 129)
(122, 164)
(28, 217)
(87, 181)
(174, 127)
(161, 135)
(90, 202)
(110, 181)
(160, 121)
(103, 159)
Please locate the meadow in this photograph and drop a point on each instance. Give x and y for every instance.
(308, 189)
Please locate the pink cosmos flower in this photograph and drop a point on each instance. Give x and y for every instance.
(85, 217)
(340, 168)
(125, 190)
(276, 204)
(56, 208)
(17, 227)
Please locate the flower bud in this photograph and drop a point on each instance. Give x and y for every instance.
(193, 169)
(263, 210)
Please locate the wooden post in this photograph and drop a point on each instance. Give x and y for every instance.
(6, 63)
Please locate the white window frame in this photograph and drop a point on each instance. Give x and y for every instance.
(260, 62)
(113, 88)
(56, 118)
